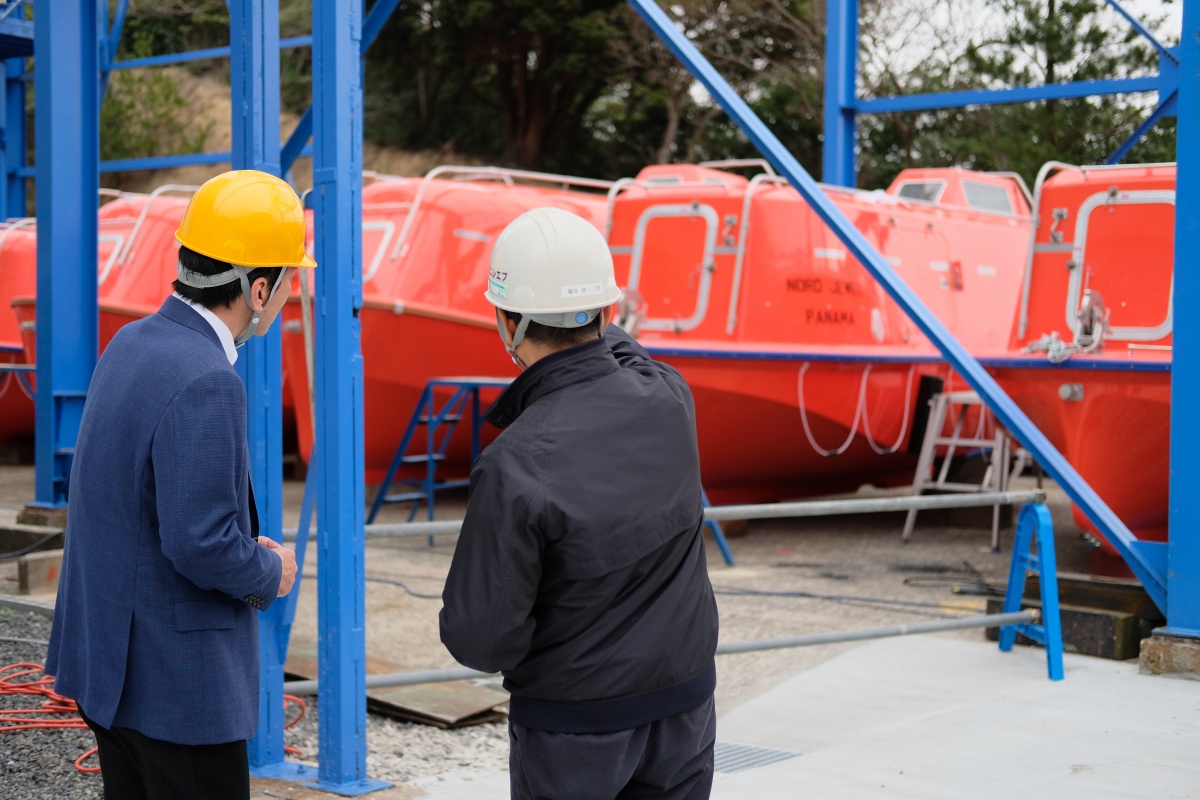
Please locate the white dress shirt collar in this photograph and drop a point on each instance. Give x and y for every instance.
(223, 332)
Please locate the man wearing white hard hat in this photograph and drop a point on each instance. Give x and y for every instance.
(580, 572)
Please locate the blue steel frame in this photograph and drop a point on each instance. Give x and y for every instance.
(842, 103)
(254, 94)
(1147, 560)
(1036, 529)
(1183, 570)
(12, 148)
(337, 200)
(1178, 584)
(67, 311)
(67, 125)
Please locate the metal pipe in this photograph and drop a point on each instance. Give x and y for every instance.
(806, 508)
(729, 648)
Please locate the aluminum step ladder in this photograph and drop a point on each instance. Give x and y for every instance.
(998, 447)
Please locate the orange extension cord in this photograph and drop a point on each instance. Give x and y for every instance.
(58, 712)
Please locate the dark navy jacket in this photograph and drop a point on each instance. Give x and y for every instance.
(580, 571)
(156, 627)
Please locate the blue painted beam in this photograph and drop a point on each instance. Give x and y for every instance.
(376, 18)
(68, 125)
(839, 165)
(110, 40)
(1024, 94)
(1137, 25)
(254, 101)
(337, 202)
(1000, 404)
(200, 55)
(12, 153)
(1183, 553)
(1165, 108)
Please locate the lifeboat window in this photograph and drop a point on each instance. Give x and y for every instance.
(923, 191)
(987, 197)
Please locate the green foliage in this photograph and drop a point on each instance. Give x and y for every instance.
(144, 114)
(583, 86)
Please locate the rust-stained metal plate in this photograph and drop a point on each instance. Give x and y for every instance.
(454, 704)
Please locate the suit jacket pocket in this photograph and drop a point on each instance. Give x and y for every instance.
(204, 614)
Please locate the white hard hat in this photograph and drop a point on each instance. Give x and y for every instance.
(552, 267)
(550, 262)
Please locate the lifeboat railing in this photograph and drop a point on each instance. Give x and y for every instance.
(170, 188)
(744, 237)
(737, 163)
(508, 176)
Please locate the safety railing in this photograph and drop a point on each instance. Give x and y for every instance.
(170, 188)
(509, 176)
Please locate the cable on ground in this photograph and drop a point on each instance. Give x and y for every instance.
(32, 547)
(61, 713)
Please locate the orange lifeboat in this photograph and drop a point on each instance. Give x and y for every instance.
(426, 246)
(18, 276)
(805, 372)
(136, 265)
(1090, 354)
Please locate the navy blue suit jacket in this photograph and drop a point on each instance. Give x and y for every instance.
(152, 629)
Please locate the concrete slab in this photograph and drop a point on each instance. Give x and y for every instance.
(931, 717)
(939, 718)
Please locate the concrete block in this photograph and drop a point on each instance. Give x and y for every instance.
(1171, 655)
(38, 572)
(16, 537)
(43, 517)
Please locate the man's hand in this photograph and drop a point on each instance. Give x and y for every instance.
(289, 563)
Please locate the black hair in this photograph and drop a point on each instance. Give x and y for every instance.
(224, 295)
(558, 338)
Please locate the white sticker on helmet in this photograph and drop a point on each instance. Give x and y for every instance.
(498, 290)
(583, 290)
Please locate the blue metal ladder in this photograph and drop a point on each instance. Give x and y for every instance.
(1034, 528)
(465, 391)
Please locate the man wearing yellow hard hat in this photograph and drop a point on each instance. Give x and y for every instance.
(156, 626)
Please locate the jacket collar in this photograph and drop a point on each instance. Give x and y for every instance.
(176, 310)
(578, 364)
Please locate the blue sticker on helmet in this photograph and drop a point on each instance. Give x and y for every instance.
(581, 317)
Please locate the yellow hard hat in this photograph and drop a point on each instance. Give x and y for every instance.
(246, 217)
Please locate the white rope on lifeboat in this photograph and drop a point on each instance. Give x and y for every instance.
(866, 417)
(858, 412)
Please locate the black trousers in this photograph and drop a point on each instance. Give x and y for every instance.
(136, 767)
(671, 759)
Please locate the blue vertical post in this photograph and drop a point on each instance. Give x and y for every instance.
(12, 153)
(1183, 552)
(337, 199)
(68, 179)
(841, 94)
(254, 94)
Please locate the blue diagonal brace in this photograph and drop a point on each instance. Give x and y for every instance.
(1141, 29)
(1111, 526)
(1165, 108)
(372, 24)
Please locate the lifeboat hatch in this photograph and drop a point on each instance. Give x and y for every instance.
(1106, 261)
(668, 234)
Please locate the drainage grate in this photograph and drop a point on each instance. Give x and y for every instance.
(732, 757)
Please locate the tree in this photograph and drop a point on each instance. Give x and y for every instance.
(1022, 42)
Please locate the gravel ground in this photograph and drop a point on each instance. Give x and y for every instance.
(38, 765)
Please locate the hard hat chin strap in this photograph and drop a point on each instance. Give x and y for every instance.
(255, 316)
(235, 273)
(518, 336)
